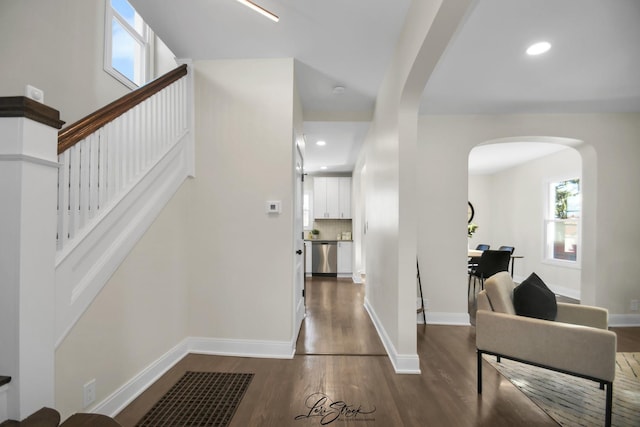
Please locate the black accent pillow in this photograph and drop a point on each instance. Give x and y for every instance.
(532, 298)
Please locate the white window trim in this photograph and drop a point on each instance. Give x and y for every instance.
(548, 206)
(146, 40)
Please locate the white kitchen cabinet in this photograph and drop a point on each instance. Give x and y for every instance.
(332, 198)
(344, 194)
(344, 258)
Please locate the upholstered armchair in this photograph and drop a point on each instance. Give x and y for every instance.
(577, 342)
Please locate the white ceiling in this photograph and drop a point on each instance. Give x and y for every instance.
(492, 158)
(592, 66)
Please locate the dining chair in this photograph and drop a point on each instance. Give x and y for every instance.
(473, 261)
(490, 263)
(511, 249)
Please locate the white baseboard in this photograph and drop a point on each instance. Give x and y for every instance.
(242, 348)
(356, 278)
(402, 363)
(444, 318)
(120, 398)
(624, 320)
(123, 396)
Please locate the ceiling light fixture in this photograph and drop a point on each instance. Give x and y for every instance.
(259, 9)
(338, 90)
(538, 48)
(321, 143)
(323, 167)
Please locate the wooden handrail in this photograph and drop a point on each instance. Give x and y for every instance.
(84, 127)
(21, 106)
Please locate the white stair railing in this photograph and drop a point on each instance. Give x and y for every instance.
(118, 169)
(102, 167)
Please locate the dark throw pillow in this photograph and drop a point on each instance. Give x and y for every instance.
(532, 298)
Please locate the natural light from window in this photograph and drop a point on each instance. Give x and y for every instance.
(563, 221)
(126, 42)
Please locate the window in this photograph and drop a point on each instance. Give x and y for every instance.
(126, 55)
(563, 221)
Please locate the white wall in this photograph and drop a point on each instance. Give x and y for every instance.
(214, 265)
(510, 207)
(139, 315)
(389, 156)
(241, 277)
(610, 231)
(58, 47)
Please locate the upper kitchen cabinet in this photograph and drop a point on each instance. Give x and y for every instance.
(345, 197)
(332, 197)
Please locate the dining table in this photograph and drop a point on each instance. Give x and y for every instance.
(475, 253)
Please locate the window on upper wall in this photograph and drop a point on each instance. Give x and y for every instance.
(126, 53)
(562, 224)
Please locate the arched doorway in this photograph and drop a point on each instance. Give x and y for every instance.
(512, 182)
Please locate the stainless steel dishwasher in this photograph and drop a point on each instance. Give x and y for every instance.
(324, 260)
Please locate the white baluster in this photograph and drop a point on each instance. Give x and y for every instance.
(74, 189)
(63, 199)
(102, 169)
(93, 174)
(83, 181)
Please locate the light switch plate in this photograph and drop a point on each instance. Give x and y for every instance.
(273, 206)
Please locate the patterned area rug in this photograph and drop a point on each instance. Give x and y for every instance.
(573, 401)
(199, 399)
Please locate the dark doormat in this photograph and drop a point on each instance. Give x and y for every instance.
(199, 399)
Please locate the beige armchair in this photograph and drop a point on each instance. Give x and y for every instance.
(576, 343)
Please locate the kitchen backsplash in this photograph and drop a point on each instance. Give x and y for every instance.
(330, 228)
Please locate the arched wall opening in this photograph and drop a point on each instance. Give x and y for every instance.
(509, 186)
(444, 144)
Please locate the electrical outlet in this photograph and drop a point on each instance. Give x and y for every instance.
(633, 306)
(89, 393)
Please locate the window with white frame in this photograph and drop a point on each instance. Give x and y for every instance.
(562, 224)
(126, 55)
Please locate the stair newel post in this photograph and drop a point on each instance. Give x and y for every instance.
(28, 210)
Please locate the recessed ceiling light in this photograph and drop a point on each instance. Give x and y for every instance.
(538, 48)
(323, 167)
(321, 143)
(338, 90)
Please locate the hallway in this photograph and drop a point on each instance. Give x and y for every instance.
(348, 364)
(336, 321)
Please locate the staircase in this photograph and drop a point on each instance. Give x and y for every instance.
(119, 167)
(116, 168)
(47, 417)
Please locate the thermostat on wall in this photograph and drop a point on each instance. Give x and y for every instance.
(273, 206)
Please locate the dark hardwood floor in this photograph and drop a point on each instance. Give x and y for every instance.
(340, 355)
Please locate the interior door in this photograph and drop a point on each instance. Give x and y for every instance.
(298, 236)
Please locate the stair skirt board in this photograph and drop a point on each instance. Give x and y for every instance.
(120, 398)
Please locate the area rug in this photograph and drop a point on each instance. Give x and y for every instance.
(199, 399)
(573, 401)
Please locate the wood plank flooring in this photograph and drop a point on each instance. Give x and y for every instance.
(337, 358)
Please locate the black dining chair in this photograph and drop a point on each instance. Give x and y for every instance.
(473, 261)
(511, 249)
(490, 263)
